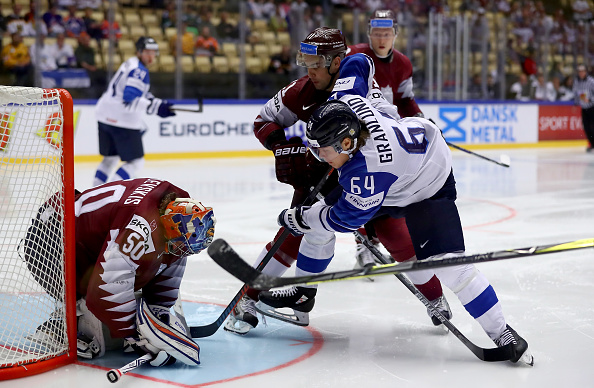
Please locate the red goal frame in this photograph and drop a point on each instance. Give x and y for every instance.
(67, 157)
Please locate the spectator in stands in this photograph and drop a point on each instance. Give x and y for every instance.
(205, 19)
(85, 58)
(63, 52)
(581, 11)
(566, 90)
(73, 24)
(191, 18)
(479, 34)
(206, 44)
(278, 20)
(2, 26)
(281, 63)
(554, 88)
(475, 89)
(16, 59)
(520, 90)
(225, 29)
(85, 54)
(583, 90)
(92, 4)
(318, 17)
(168, 16)
(106, 28)
(542, 90)
(187, 41)
(24, 24)
(255, 9)
(53, 20)
(42, 55)
(92, 26)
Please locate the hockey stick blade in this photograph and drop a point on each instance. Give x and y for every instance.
(211, 328)
(222, 253)
(503, 353)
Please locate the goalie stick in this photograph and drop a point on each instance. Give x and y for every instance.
(114, 375)
(503, 353)
(222, 253)
(210, 329)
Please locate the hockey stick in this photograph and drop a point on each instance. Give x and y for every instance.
(199, 110)
(503, 353)
(222, 253)
(504, 160)
(114, 375)
(210, 329)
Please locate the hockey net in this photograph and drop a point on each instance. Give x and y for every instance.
(37, 274)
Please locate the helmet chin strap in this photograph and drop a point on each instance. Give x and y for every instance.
(332, 77)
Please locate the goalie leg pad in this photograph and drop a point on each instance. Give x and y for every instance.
(165, 337)
(91, 339)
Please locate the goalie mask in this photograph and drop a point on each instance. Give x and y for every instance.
(189, 226)
(329, 125)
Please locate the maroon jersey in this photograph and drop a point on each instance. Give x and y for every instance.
(120, 247)
(296, 101)
(394, 76)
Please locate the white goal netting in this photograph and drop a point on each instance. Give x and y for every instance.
(31, 226)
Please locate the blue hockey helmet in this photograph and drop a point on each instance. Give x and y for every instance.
(189, 226)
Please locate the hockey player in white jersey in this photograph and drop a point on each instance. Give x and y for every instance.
(401, 168)
(120, 112)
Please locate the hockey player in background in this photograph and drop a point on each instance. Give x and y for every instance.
(294, 166)
(119, 113)
(400, 168)
(393, 73)
(131, 236)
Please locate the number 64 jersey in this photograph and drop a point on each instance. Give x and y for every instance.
(403, 162)
(120, 247)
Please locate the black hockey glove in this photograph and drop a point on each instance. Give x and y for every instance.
(289, 161)
(292, 219)
(165, 109)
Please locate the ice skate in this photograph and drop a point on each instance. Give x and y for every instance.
(441, 304)
(520, 346)
(243, 318)
(364, 258)
(298, 299)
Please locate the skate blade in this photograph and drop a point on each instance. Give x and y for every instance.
(296, 318)
(238, 327)
(527, 358)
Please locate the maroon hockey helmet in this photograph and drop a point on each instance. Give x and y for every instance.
(320, 47)
(383, 18)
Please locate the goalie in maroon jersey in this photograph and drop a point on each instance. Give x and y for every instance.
(132, 242)
(294, 166)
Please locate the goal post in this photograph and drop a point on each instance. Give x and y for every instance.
(37, 247)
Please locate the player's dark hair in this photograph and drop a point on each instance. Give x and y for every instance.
(171, 196)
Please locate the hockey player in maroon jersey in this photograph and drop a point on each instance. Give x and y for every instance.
(133, 235)
(297, 101)
(393, 73)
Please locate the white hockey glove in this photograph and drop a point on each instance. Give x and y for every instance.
(292, 219)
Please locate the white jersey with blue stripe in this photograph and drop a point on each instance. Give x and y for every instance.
(127, 97)
(403, 162)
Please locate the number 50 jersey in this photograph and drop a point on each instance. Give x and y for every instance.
(120, 245)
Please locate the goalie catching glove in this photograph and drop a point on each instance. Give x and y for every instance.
(292, 219)
(163, 335)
